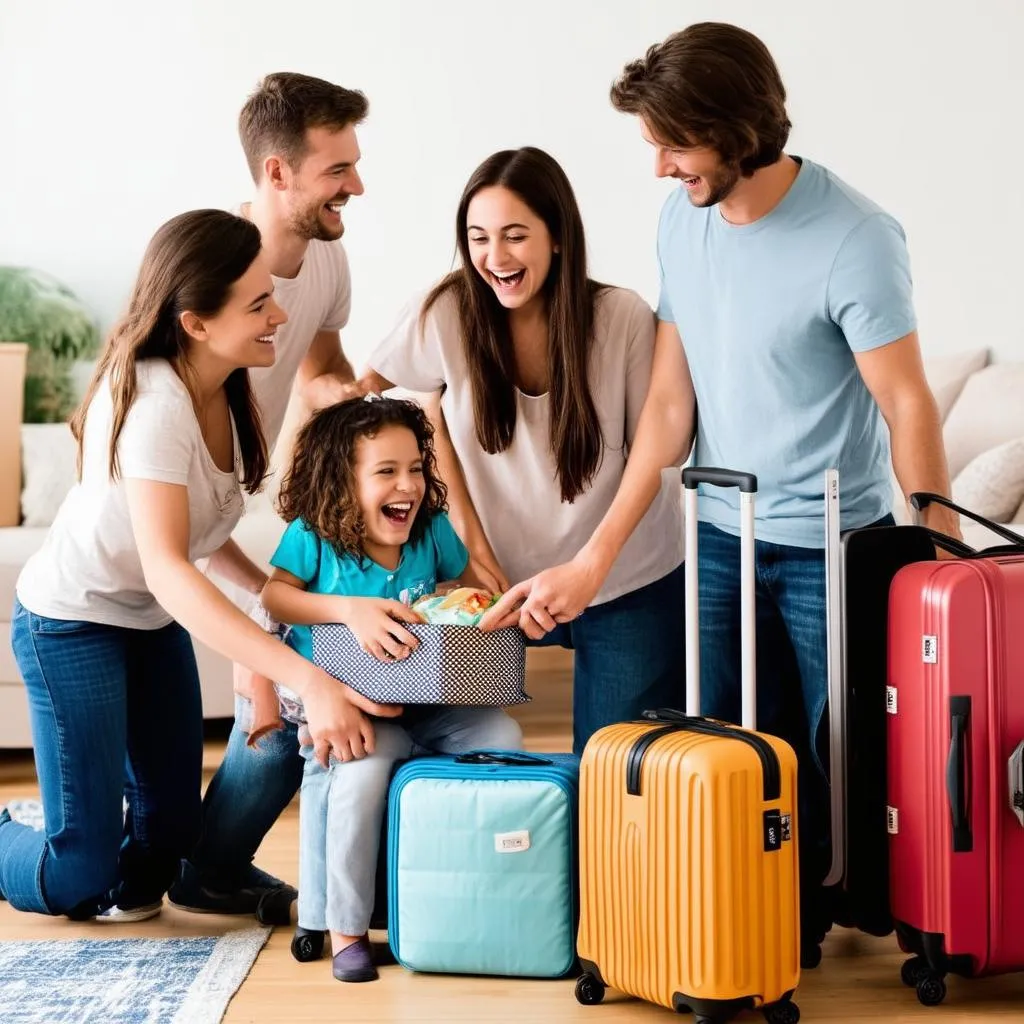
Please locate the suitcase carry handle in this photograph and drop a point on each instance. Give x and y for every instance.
(501, 757)
(674, 720)
(956, 771)
(747, 484)
(1016, 771)
(920, 500)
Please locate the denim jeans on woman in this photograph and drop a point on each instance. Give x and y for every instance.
(341, 808)
(116, 714)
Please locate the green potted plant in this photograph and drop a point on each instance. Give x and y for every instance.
(36, 309)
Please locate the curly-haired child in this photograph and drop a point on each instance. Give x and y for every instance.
(368, 534)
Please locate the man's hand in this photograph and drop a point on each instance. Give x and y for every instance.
(329, 389)
(262, 697)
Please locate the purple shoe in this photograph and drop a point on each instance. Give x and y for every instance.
(355, 962)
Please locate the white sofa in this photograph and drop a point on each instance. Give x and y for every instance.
(983, 422)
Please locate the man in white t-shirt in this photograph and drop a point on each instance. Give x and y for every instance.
(298, 135)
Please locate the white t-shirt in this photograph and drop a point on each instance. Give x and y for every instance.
(516, 492)
(318, 298)
(88, 568)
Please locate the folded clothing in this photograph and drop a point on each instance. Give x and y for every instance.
(464, 606)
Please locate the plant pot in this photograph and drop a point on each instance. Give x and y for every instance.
(12, 390)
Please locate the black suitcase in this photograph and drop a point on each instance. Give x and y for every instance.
(860, 566)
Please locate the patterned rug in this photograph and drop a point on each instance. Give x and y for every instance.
(121, 981)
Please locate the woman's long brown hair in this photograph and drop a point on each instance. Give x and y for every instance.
(190, 265)
(576, 439)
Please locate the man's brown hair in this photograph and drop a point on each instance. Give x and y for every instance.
(711, 85)
(284, 107)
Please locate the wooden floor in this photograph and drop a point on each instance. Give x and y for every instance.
(858, 978)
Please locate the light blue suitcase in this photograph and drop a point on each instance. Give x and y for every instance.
(482, 865)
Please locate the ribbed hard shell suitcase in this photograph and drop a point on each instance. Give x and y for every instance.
(956, 765)
(689, 883)
(482, 864)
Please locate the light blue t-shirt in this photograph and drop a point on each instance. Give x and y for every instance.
(770, 315)
(437, 555)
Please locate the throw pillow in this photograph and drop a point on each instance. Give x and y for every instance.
(48, 457)
(947, 375)
(992, 483)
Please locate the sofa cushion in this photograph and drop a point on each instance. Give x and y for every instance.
(988, 412)
(17, 544)
(992, 483)
(948, 374)
(48, 471)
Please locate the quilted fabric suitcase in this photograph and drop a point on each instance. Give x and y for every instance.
(860, 566)
(955, 706)
(482, 864)
(689, 883)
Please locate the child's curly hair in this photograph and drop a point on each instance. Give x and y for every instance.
(319, 488)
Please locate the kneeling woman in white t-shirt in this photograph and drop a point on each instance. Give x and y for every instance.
(168, 436)
(542, 374)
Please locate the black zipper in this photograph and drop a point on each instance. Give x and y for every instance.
(674, 721)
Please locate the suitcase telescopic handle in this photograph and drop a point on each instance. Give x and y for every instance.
(956, 773)
(920, 500)
(505, 757)
(835, 625)
(747, 484)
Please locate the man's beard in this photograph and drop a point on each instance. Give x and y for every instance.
(724, 181)
(307, 224)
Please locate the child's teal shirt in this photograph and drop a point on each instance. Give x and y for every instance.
(438, 555)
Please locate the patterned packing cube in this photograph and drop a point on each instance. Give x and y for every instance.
(482, 864)
(452, 665)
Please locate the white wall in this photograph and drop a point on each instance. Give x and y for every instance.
(115, 115)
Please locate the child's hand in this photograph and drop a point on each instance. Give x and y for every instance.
(373, 621)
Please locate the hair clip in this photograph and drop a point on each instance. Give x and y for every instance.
(373, 396)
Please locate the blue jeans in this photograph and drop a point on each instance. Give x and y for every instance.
(246, 796)
(116, 713)
(792, 669)
(341, 808)
(630, 655)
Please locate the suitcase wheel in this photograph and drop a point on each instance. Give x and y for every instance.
(931, 989)
(782, 1013)
(307, 946)
(589, 991)
(913, 970)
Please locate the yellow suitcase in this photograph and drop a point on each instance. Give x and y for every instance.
(689, 882)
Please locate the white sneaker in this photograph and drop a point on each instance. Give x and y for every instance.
(119, 915)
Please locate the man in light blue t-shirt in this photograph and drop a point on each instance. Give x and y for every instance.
(787, 343)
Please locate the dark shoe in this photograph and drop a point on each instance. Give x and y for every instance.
(355, 962)
(257, 890)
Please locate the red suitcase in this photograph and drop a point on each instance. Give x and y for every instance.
(955, 702)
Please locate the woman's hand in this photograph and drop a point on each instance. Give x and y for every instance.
(483, 571)
(375, 623)
(337, 722)
(554, 596)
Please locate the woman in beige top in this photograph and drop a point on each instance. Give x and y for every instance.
(541, 374)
